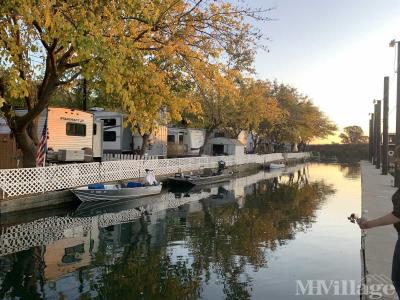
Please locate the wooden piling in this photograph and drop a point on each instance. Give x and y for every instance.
(378, 134)
(385, 146)
(371, 138)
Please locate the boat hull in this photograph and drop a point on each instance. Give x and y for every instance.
(116, 194)
(200, 180)
(277, 166)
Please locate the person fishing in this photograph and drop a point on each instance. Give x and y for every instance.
(389, 219)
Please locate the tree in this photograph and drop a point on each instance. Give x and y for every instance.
(252, 107)
(300, 120)
(46, 44)
(353, 135)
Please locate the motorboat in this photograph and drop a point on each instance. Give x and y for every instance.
(190, 179)
(112, 192)
(183, 179)
(280, 165)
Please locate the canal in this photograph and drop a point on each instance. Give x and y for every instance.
(254, 237)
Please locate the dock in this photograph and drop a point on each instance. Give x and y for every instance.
(376, 194)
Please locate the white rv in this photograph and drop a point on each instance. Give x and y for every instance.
(157, 142)
(185, 141)
(70, 134)
(118, 139)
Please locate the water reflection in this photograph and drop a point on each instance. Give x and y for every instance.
(351, 171)
(180, 245)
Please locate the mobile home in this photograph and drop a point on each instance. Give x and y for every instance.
(185, 141)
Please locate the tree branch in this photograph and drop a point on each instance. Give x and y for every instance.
(72, 78)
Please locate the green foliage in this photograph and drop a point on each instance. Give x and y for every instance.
(353, 135)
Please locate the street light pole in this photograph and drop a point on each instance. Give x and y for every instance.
(393, 44)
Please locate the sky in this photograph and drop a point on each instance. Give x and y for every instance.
(336, 52)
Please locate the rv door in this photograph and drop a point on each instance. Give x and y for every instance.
(97, 139)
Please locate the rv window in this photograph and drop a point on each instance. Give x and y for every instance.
(94, 129)
(109, 136)
(171, 138)
(110, 122)
(76, 129)
(180, 138)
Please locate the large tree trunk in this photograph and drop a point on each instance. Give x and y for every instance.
(256, 141)
(28, 148)
(145, 143)
(206, 138)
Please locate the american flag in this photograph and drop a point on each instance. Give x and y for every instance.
(42, 147)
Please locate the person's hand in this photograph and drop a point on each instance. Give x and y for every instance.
(363, 223)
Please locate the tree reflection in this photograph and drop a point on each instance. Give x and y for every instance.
(352, 171)
(26, 273)
(146, 272)
(222, 240)
(177, 254)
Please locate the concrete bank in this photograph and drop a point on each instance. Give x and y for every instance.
(376, 194)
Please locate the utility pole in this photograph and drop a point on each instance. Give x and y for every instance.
(393, 43)
(375, 133)
(378, 134)
(385, 148)
(84, 104)
(371, 138)
(398, 98)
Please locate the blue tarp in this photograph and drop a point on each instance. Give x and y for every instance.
(96, 186)
(133, 184)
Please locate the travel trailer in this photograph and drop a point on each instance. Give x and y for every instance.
(70, 134)
(157, 142)
(118, 139)
(185, 141)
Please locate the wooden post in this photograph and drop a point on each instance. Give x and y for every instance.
(378, 134)
(385, 147)
(375, 132)
(371, 138)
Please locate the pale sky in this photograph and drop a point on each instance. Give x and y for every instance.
(334, 51)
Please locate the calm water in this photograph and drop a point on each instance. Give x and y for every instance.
(250, 238)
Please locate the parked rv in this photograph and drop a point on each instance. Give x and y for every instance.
(118, 139)
(185, 141)
(70, 134)
(157, 142)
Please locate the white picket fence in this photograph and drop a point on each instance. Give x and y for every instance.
(26, 181)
